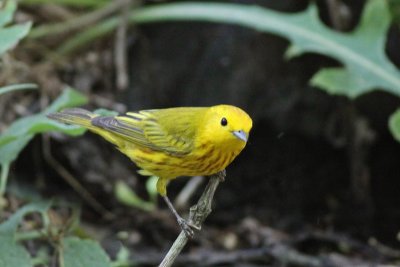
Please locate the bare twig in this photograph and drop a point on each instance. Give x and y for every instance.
(70, 179)
(282, 248)
(120, 50)
(361, 140)
(357, 136)
(339, 14)
(198, 213)
(383, 249)
(283, 255)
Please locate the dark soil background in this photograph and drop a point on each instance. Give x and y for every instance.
(320, 172)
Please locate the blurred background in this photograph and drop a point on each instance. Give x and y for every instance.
(317, 185)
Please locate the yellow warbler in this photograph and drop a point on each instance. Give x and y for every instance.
(172, 142)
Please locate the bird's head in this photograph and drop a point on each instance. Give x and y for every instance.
(228, 126)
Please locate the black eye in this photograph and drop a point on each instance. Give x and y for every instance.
(224, 122)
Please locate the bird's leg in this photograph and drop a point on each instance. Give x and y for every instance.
(185, 226)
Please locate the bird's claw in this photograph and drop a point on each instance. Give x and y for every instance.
(187, 227)
(221, 175)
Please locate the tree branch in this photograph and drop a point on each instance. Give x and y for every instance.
(198, 214)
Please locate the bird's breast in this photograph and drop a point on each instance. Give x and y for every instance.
(206, 159)
(211, 159)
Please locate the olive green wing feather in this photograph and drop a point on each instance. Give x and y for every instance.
(169, 130)
(127, 130)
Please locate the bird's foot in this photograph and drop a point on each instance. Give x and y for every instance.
(221, 175)
(187, 227)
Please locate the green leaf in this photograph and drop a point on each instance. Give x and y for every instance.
(82, 253)
(151, 187)
(122, 258)
(16, 87)
(10, 36)
(6, 14)
(11, 225)
(69, 98)
(86, 36)
(7, 139)
(23, 130)
(339, 81)
(366, 66)
(394, 125)
(18, 135)
(10, 151)
(125, 195)
(11, 253)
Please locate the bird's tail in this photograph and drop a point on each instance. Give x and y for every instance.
(84, 118)
(75, 116)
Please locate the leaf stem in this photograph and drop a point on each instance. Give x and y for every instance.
(5, 168)
(28, 235)
(15, 87)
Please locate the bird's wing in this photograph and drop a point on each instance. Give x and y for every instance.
(168, 130)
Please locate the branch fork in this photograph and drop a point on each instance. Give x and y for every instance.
(198, 214)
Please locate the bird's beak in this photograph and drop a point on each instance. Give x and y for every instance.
(241, 135)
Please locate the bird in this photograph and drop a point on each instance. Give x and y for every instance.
(171, 142)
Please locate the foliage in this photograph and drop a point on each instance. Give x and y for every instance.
(10, 36)
(86, 253)
(365, 64)
(12, 88)
(365, 67)
(73, 251)
(18, 135)
(362, 52)
(13, 254)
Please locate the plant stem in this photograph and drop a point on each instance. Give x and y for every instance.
(78, 23)
(3, 178)
(28, 235)
(198, 213)
(15, 87)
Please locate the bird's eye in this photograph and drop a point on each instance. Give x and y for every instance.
(224, 122)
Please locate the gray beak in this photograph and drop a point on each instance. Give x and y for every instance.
(241, 135)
